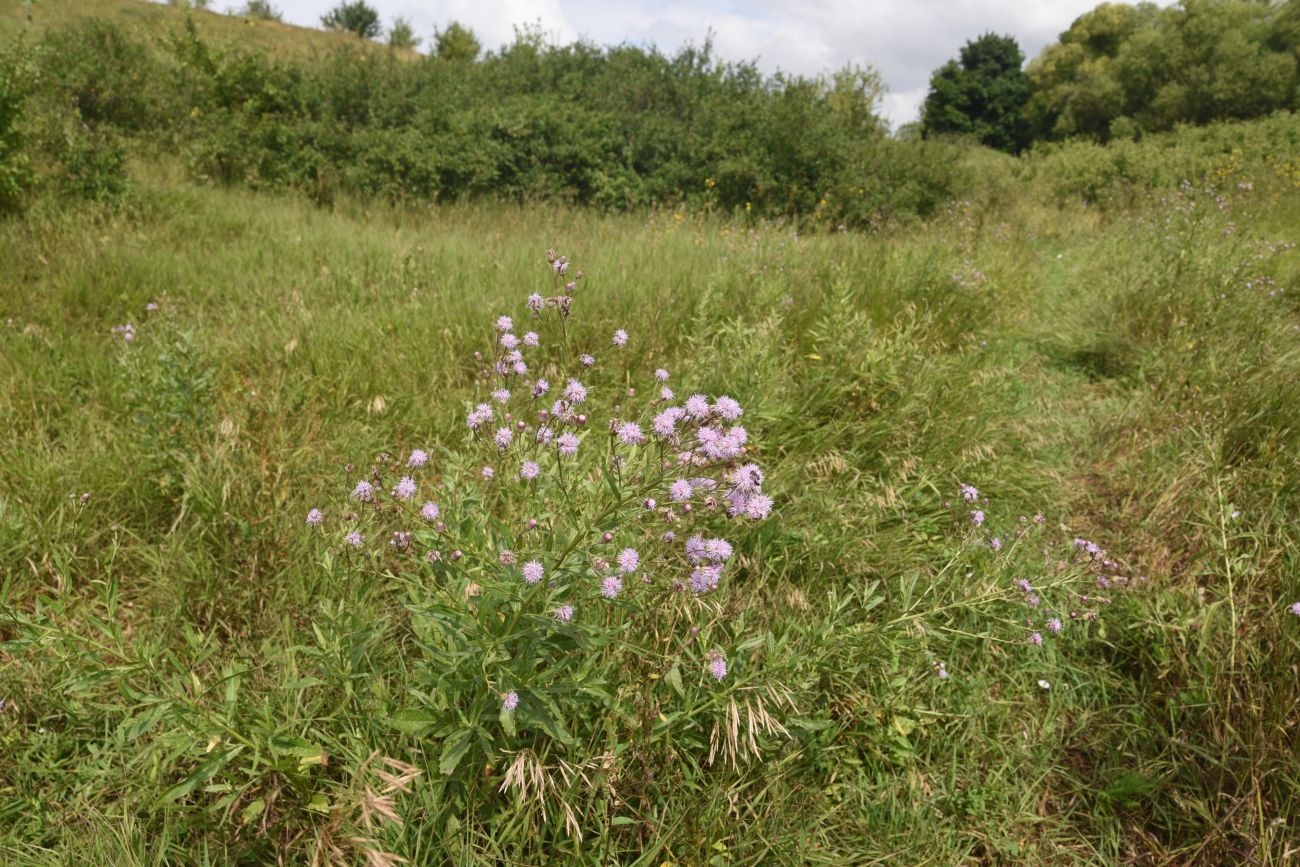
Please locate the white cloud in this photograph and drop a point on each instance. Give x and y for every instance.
(905, 39)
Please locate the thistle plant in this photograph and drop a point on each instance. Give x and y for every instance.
(564, 555)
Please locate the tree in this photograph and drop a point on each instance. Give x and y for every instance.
(402, 35)
(353, 17)
(262, 10)
(982, 94)
(456, 43)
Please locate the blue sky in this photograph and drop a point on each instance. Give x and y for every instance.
(904, 39)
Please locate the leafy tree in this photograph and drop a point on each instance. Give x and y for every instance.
(982, 94)
(456, 43)
(402, 35)
(353, 16)
(262, 10)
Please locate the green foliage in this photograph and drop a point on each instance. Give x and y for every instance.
(353, 16)
(15, 164)
(456, 43)
(983, 95)
(402, 36)
(1121, 70)
(262, 10)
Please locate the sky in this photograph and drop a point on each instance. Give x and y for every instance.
(904, 39)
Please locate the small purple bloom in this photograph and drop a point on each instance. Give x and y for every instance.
(969, 493)
(588, 361)
(758, 507)
(717, 665)
(995, 543)
(1036, 639)
(1295, 608)
(727, 408)
(628, 560)
(529, 470)
(535, 303)
(509, 341)
(564, 613)
(661, 375)
(630, 434)
(503, 437)
(531, 339)
(364, 491)
(568, 444)
(540, 387)
(510, 700)
(1054, 625)
(315, 517)
(977, 517)
(418, 458)
(532, 571)
(575, 392)
(405, 488)
(430, 512)
(680, 491)
(501, 395)
(697, 406)
(354, 539)
(505, 323)
(620, 337)
(665, 393)
(611, 587)
(488, 472)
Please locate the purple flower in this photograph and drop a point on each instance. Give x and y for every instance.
(1054, 625)
(575, 392)
(697, 406)
(418, 458)
(1023, 584)
(679, 491)
(529, 470)
(758, 507)
(364, 491)
(995, 543)
(630, 433)
(695, 549)
(151, 307)
(665, 423)
(315, 517)
(354, 539)
(727, 408)
(540, 387)
(535, 303)
(509, 700)
(942, 671)
(717, 665)
(532, 571)
(405, 488)
(568, 444)
(665, 393)
(481, 415)
(1036, 639)
(588, 361)
(488, 472)
(501, 395)
(620, 337)
(564, 613)
(706, 578)
(503, 437)
(748, 479)
(611, 586)
(628, 560)
(520, 368)
(505, 323)
(661, 375)
(717, 550)
(531, 339)
(430, 512)
(969, 493)
(1295, 608)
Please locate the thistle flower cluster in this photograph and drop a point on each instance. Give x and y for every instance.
(567, 520)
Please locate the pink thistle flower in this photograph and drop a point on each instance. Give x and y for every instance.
(520, 368)
(665, 393)
(758, 507)
(588, 361)
(620, 337)
(532, 571)
(679, 491)
(535, 303)
(705, 579)
(969, 493)
(727, 408)
(1295, 608)
(717, 665)
(481, 415)
(531, 339)
(501, 395)
(1036, 639)
(430, 512)
(354, 539)
(568, 444)
(364, 491)
(628, 560)
(509, 700)
(405, 488)
(995, 543)
(488, 472)
(665, 423)
(1055, 625)
(575, 392)
(509, 341)
(977, 517)
(505, 323)
(661, 375)
(529, 470)
(697, 406)
(418, 458)
(315, 517)
(630, 434)
(717, 550)
(564, 613)
(503, 437)
(611, 587)
(540, 387)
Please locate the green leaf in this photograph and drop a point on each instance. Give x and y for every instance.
(319, 804)
(674, 678)
(453, 751)
(412, 721)
(622, 820)
(252, 811)
(200, 775)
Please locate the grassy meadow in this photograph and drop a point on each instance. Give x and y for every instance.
(190, 673)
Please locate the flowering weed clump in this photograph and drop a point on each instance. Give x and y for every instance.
(564, 557)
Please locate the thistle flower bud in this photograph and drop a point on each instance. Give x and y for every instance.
(608, 537)
(531, 524)
(456, 555)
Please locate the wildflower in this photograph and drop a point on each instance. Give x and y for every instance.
(564, 613)
(418, 458)
(727, 408)
(481, 415)
(532, 571)
(620, 337)
(758, 507)
(665, 393)
(650, 503)
(717, 665)
(529, 470)
(520, 368)
(630, 434)
(364, 491)
(697, 406)
(354, 539)
(661, 375)
(575, 392)
(315, 517)
(509, 341)
(1023, 584)
(568, 444)
(588, 361)
(509, 700)
(970, 493)
(503, 437)
(1295, 608)
(1054, 625)
(942, 671)
(1032, 600)
(1036, 639)
(401, 540)
(977, 517)
(540, 387)
(706, 578)
(628, 560)
(488, 472)
(429, 511)
(405, 488)
(501, 395)
(536, 303)
(995, 543)
(531, 339)
(1043, 684)
(505, 323)
(611, 586)
(748, 479)
(151, 307)
(665, 423)
(668, 536)
(679, 491)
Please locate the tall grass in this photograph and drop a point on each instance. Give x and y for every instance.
(186, 680)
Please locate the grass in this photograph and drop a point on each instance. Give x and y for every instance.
(1126, 376)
